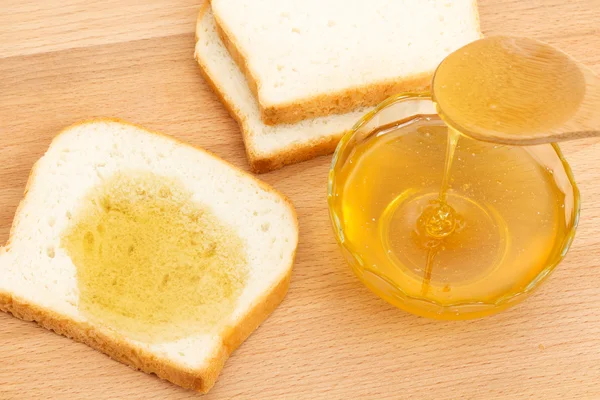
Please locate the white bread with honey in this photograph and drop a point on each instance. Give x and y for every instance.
(267, 147)
(39, 281)
(311, 58)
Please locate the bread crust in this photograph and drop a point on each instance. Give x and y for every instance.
(292, 154)
(238, 57)
(116, 345)
(261, 163)
(338, 102)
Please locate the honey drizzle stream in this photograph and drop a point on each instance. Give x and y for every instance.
(453, 136)
(434, 246)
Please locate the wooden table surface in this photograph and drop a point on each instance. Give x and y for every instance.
(63, 61)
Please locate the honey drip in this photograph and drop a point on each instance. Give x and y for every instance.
(438, 220)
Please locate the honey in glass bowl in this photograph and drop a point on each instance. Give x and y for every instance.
(460, 248)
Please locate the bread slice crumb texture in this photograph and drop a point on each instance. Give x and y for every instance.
(151, 262)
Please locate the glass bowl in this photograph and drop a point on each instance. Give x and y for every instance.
(409, 112)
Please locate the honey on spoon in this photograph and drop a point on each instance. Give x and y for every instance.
(516, 90)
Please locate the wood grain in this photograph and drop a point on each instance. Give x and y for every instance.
(331, 338)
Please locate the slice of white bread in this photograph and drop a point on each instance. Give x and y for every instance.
(267, 147)
(310, 58)
(41, 281)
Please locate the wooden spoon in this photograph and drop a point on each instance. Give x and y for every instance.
(518, 91)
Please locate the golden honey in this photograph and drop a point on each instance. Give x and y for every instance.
(462, 247)
(151, 262)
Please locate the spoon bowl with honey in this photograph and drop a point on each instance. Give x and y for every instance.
(518, 91)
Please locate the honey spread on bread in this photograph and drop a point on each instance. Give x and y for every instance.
(151, 262)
